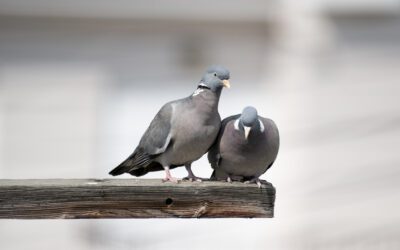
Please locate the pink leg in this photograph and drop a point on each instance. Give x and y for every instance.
(168, 176)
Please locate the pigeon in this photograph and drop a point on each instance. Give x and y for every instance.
(181, 132)
(246, 147)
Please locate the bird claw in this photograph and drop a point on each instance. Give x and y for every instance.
(171, 179)
(229, 180)
(192, 178)
(254, 180)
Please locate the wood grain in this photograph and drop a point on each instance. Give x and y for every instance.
(132, 198)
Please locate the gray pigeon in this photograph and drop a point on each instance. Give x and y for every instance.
(181, 132)
(246, 147)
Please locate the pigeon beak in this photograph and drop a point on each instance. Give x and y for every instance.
(226, 84)
(246, 131)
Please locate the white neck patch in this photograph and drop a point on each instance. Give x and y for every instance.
(236, 124)
(197, 91)
(261, 126)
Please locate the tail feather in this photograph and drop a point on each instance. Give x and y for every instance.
(153, 166)
(121, 168)
(117, 171)
(136, 164)
(125, 166)
(139, 163)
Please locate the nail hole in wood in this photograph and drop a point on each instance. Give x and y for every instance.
(168, 201)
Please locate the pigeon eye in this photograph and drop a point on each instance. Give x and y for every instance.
(215, 74)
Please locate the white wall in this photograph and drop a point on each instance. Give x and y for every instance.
(330, 83)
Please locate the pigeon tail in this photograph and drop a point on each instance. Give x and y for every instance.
(138, 163)
(134, 161)
(117, 171)
(121, 168)
(152, 167)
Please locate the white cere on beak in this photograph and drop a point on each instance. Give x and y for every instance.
(246, 131)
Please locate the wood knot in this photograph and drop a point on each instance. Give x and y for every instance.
(200, 211)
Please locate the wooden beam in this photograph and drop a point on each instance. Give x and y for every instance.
(132, 198)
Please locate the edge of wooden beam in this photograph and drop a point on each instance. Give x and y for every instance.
(132, 198)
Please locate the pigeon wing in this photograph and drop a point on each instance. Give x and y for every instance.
(157, 136)
(214, 156)
(153, 143)
(272, 135)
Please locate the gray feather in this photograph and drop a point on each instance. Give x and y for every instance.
(243, 159)
(157, 136)
(154, 141)
(214, 155)
(182, 131)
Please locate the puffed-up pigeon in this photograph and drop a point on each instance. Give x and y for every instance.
(181, 132)
(246, 147)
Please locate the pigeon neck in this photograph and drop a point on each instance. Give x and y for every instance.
(258, 125)
(207, 96)
(204, 88)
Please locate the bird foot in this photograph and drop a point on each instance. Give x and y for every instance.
(229, 180)
(254, 180)
(170, 179)
(192, 178)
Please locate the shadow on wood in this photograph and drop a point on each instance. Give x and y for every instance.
(133, 198)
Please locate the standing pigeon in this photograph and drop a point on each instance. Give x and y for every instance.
(246, 147)
(181, 132)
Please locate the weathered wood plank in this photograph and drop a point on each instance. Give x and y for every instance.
(132, 198)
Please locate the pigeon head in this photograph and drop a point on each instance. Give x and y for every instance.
(215, 78)
(219, 71)
(247, 120)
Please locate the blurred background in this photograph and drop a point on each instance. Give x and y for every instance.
(80, 82)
